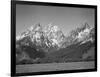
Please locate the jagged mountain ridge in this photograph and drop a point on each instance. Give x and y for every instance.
(81, 35)
(51, 36)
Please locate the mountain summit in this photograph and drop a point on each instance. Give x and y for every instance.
(81, 34)
(50, 36)
(47, 36)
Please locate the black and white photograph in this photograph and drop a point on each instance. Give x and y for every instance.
(54, 38)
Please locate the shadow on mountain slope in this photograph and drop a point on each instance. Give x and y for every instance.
(72, 53)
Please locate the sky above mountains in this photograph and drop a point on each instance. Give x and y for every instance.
(66, 18)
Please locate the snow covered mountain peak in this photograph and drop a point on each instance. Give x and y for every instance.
(37, 27)
(51, 36)
(81, 35)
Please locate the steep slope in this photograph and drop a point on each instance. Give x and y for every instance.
(54, 35)
(80, 35)
(43, 44)
(50, 36)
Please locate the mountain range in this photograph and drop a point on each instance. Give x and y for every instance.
(40, 42)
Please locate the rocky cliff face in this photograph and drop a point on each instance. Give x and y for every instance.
(37, 40)
(49, 36)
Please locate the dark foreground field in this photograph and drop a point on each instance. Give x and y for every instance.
(54, 67)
